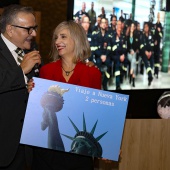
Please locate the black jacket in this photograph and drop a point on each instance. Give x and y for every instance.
(13, 102)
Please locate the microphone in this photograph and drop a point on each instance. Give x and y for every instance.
(36, 66)
(36, 69)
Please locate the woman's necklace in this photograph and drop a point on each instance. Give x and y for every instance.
(67, 72)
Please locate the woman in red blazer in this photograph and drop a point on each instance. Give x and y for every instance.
(70, 51)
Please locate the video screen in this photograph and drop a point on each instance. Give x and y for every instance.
(128, 42)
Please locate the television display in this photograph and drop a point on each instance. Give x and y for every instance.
(141, 12)
(143, 95)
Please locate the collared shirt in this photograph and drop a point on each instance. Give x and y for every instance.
(12, 49)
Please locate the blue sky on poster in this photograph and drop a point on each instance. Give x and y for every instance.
(110, 118)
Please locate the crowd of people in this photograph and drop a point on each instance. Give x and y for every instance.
(120, 47)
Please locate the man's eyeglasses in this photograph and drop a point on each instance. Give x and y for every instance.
(29, 29)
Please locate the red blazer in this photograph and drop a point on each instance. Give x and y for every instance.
(83, 75)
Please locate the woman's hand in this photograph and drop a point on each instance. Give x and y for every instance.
(30, 85)
(89, 63)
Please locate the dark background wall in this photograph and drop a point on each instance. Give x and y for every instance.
(4, 3)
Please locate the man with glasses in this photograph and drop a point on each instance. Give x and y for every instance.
(18, 28)
(101, 50)
(29, 29)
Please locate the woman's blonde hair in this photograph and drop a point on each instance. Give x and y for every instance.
(81, 45)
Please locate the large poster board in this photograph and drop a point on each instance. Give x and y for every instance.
(75, 119)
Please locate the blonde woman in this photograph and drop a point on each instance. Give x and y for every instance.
(70, 49)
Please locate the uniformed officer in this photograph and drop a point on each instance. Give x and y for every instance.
(92, 16)
(158, 33)
(80, 13)
(146, 48)
(100, 48)
(96, 27)
(85, 22)
(118, 54)
(121, 18)
(113, 14)
(112, 28)
(139, 61)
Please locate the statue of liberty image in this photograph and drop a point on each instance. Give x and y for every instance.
(52, 102)
(84, 142)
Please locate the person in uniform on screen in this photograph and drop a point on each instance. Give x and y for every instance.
(158, 34)
(96, 27)
(92, 16)
(146, 48)
(85, 22)
(100, 42)
(132, 50)
(118, 54)
(107, 24)
(103, 14)
(121, 16)
(128, 21)
(139, 61)
(112, 28)
(82, 12)
(113, 14)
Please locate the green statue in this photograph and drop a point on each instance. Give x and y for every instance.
(84, 142)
